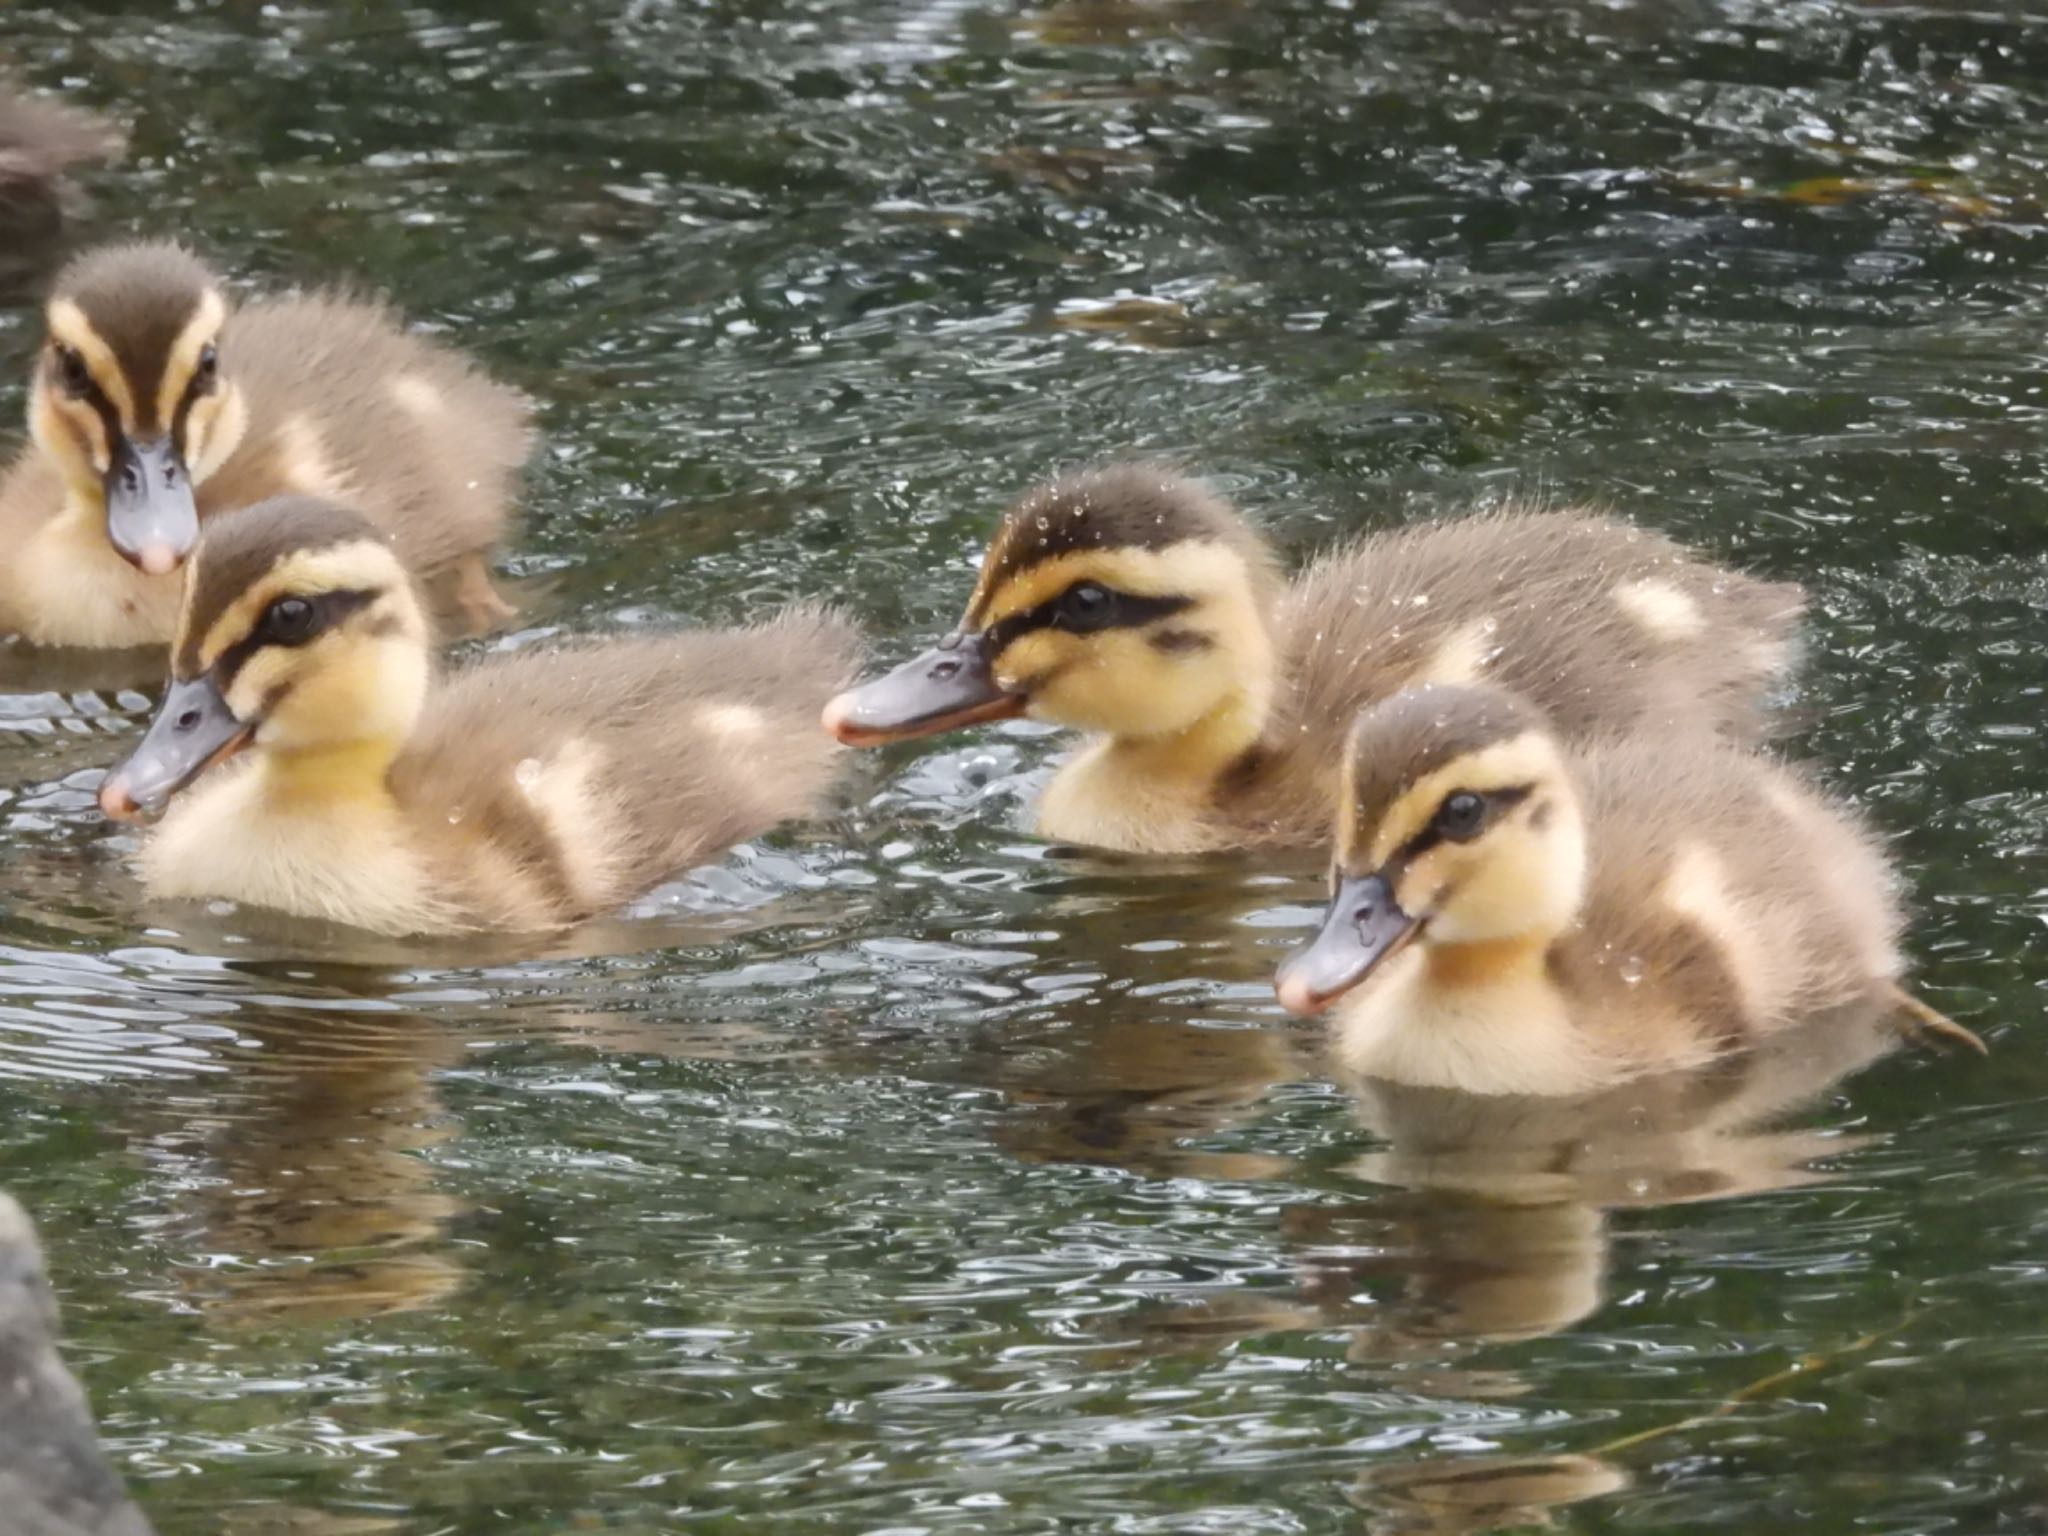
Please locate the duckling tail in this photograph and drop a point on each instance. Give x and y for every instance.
(1925, 1026)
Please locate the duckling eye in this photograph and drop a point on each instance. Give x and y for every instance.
(208, 369)
(1462, 816)
(72, 374)
(1086, 606)
(289, 621)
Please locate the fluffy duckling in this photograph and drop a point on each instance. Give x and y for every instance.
(1539, 920)
(1135, 604)
(526, 792)
(157, 403)
(40, 141)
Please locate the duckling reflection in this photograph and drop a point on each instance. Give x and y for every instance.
(1490, 1225)
(1151, 1088)
(303, 1183)
(1480, 1493)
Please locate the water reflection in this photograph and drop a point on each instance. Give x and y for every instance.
(1487, 1221)
(301, 1193)
(827, 1219)
(1475, 1494)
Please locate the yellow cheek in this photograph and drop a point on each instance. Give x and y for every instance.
(199, 423)
(261, 677)
(1425, 880)
(1489, 889)
(74, 432)
(1114, 682)
(1033, 657)
(342, 688)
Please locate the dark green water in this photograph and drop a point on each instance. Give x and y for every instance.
(907, 1176)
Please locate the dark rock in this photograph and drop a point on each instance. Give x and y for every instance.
(54, 1480)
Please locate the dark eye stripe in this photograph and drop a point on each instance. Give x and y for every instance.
(1131, 612)
(1497, 800)
(96, 399)
(329, 609)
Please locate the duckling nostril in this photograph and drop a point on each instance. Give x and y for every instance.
(188, 720)
(945, 669)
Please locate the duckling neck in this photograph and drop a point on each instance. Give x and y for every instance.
(1154, 794)
(347, 772)
(65, 584)
(1519, 961)
(1199, 754)
(1484, 1016)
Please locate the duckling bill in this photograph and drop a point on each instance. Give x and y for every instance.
(1512, 914)
(306, 759)
(1136, 605)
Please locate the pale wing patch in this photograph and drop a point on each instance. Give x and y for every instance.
(69, 326)
(1697, 889)
(739, 722)
(1661, 608)
(1788, 802)
(1462, 657)
(303, 460)
(417, 397)
(563, 795)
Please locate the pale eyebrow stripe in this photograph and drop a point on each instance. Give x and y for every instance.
(69, 327)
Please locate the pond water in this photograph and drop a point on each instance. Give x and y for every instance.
(903, 1174)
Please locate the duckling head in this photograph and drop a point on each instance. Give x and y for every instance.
(130, 399)
(301, 634)
(1128, 600)
(1457, 824)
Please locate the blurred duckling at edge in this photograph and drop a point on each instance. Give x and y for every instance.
(156, 403)
(1511, 915)
(1135, 604)
(41, 142)
(525, 792)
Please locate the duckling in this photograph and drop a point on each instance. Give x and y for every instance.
(526, 792)
(1137, 605)
(1539, 919)
(156, 403)
(40, 141)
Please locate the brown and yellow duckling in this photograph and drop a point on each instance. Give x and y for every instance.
(525, 792)
(1137, 605)
(41, 142)
(1511, 915)
(157, 403)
